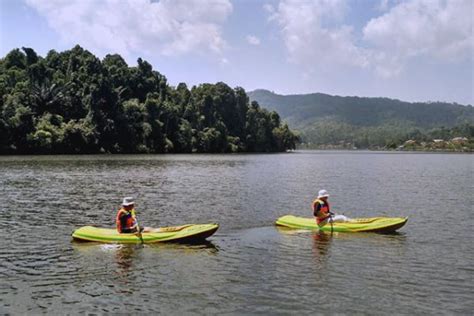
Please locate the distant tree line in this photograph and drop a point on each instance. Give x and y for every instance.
(73, 102)
(389, 135)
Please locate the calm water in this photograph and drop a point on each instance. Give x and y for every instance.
(248, 266)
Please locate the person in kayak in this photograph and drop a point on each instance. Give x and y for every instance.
(322, 210)
(126, 219)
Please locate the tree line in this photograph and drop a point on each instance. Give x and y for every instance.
(388, 136)
(73, 102)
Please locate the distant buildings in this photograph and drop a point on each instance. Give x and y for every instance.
(459, 144)
(459, 140)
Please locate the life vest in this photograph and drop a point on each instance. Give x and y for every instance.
(323, 213)
(125, 219)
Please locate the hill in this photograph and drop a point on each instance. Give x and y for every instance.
(364, 122)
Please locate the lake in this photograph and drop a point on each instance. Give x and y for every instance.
(249, 266)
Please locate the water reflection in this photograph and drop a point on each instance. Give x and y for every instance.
(321, 243)
(124, 256)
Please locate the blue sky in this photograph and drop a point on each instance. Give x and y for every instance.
(414, 50)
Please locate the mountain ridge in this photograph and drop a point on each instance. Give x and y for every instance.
(326, 119)
(349, 96)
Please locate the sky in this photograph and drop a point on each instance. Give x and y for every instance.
(413, 50)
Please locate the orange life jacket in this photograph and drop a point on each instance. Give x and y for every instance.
(125, 219)
(323, 213)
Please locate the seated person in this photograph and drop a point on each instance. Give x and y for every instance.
(322, 210)
(126, 219)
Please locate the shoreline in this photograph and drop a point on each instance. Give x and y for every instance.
(298, 150)
(411, 148)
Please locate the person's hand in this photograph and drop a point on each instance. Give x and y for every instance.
(138, 230)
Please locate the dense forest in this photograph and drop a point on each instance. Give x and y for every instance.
(73, 102)
(354, 122)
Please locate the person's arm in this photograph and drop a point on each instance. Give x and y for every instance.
(330, 213)
(118, 222)
(316, 208)
(135, 221)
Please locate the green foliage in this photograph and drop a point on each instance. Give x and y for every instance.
(80, 136)
(72, 102)
(48, 133)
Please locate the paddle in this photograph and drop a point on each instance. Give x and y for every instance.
(139, 232)
(331, 219)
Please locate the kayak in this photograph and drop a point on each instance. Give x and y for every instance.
(184, 233)
(371, 224)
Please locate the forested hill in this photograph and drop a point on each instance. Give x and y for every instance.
(365, 122)
(73, 102)
(305, 108)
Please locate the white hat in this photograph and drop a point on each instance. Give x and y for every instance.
(323, 193)
(127, 201)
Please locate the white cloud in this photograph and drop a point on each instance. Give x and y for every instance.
(269, 9)
(166, 27)
(427, 28)
(316, 36)
(313, 36)
(253, 40)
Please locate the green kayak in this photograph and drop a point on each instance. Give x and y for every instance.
(371, 224)
(190, 232)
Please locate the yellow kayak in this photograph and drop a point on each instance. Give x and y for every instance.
(371, 224)
(182, 233)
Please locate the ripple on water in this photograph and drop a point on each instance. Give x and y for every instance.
(250, 267)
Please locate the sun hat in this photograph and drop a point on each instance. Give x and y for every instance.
(323, 193)
(127, 201)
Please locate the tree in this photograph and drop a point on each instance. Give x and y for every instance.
(48, 135)
(72, 102)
